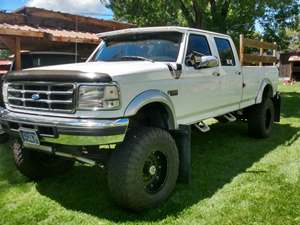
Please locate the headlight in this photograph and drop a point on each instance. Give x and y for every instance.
(96, 97)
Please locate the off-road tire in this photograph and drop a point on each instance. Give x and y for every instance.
(36, 165)
(126, 168)
(261, 118)
(4, 137)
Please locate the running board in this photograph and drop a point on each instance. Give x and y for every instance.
(203, 127)
(230, 117)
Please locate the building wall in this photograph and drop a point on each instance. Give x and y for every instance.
(285, 68)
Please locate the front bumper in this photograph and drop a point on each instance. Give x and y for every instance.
(66, 131)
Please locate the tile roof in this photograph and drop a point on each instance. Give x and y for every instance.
(52, 34)
(18, 27)
(70, 36)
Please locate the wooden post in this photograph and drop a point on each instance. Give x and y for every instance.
(242, 49)
(261, 52)
(18, 53)
(291, 71)
(275, 53)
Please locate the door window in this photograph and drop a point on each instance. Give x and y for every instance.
(199, 44)
(225, 52)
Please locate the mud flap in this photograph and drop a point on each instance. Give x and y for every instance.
(183, 142)
(277, 106)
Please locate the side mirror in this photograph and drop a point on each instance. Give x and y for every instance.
(198, 61)
(207, 62)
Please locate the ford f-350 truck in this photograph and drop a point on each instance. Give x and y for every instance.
(130, 107)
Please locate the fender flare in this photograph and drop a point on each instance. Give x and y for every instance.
(260, 93)
(152, 96)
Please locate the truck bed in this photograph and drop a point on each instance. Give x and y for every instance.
(252, 81)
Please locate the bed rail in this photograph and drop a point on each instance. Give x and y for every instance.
(263, 57)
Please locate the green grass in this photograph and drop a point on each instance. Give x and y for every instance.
(235, 180)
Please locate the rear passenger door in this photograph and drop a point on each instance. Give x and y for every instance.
(230, 73)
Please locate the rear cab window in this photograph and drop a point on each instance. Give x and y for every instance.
(225, 51)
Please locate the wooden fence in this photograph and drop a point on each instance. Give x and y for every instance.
(262, 58)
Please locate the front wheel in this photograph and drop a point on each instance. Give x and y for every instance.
(143, 172)
(261, 119)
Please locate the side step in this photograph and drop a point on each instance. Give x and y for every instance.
(203, 127)
(230, 117)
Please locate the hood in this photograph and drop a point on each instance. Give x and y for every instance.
(110, 68)
(86, 72)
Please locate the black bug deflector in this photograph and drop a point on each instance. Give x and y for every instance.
(57, 76)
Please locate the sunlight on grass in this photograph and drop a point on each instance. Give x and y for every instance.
(235, 180)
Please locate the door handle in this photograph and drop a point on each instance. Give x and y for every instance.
(216, 74)
(238, 72)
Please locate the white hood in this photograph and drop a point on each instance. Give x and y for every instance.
(110, 68)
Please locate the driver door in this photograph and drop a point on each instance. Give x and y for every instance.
(200, 87)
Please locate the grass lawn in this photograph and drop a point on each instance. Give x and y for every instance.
(236, 180)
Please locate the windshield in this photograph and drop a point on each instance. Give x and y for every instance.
(159, 46)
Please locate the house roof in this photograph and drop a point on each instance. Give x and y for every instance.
(294, 58)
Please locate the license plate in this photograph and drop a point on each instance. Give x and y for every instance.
(29, 137)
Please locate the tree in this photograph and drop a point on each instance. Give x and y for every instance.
(225, 16)
(278, 20)
(293, 37)
(4, 53)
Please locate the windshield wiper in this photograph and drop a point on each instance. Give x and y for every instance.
(133, 57)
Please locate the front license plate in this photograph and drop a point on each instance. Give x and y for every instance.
(29, 137)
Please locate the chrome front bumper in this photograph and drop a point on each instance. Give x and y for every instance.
(67, 131)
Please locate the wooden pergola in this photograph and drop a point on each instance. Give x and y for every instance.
(36, 29)
(13, 36)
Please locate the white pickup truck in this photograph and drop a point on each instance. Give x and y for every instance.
(130, 107)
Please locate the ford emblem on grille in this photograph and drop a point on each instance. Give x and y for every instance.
(35, 97)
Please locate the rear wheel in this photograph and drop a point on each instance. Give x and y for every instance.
(143, 172)
(36, 165)
(261, 118)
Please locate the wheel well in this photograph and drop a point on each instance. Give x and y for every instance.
(154, 114)
(268, 92)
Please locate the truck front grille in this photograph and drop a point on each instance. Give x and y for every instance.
(54, 97)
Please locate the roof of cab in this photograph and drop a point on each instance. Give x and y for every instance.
(156, 29)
